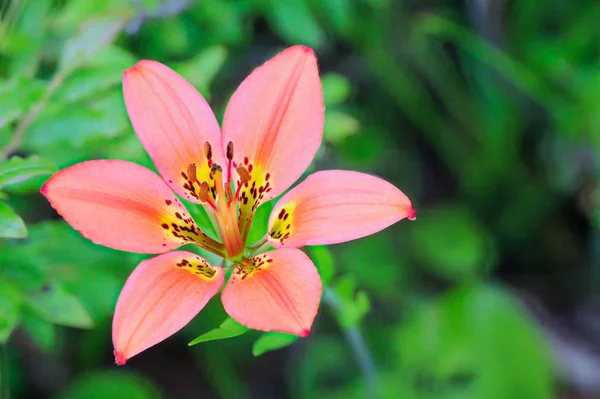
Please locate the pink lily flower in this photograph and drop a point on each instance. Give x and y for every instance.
(271, 131)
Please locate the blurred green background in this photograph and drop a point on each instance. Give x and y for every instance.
(486, 113)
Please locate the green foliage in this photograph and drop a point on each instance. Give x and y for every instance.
(324, 262)
(17, 170)
(202, 69)
(351, 305)
(444, 348)
(9, 311)
(464, 248)
(228, 329)
(295, 22)
(112, 384)
(11, 224)
(271, 341)
(55, 305)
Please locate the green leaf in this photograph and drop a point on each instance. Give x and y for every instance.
(55, 253)
(17, 96)
(41, 331)
(74, 14)
(87, 82)
(271, 341)
(10, 312)
(222, 21)
(110, 384)
(450, 241)
(11, 224)
(92, 36)
(294, 22)
(353, 305)
(339, 14)
(228, 329)
(476, 342)
(24, 43)
(324, 262)
(202, 69)
(76, 126)
(17, 170)
(339, 126)
(56, 305)
(336, 89)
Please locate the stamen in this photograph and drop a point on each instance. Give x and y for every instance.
(191, 172)
(228, 193)
(214, 168)
(230, 161)
(208, 152)
(244, 176)
(230, 151)
(203, 195)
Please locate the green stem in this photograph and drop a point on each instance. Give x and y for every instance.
(259, 243)
(258, 247)
(33, 113)
(357, 343)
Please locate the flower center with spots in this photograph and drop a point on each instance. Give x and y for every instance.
(282, 226)
(232, 195)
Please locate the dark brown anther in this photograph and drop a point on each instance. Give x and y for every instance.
(191, 172)
(214, 168)
(243, 174)
(208, 150)
(228, 193)
(203, 194)
(230, 151)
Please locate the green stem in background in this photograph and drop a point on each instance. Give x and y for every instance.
(4, 388)
(356, 342)
(33, 113)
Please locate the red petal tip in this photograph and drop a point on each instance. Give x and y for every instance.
(306, 49)
(120, 359)
(134, 68)
(412, 215)
(305, 333)
(44, 189)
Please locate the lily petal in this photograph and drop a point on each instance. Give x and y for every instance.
(275, 122)
(335, 206)
(124, 206)
(276, 291)
(159, 298)
(174, 123)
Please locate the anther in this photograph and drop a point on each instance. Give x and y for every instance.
(208, 150)
(230, 151)
(243, 174)
(203, 192)
(228, 193)
(215, 167)
(191, 172)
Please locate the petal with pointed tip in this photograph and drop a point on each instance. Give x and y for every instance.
(122, 205)
(334, 206)
(276, 291)
(159, 298)
(173, 122)
(275, 121)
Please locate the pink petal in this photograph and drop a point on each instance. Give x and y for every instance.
(276, 291)
(159, 298)
(275, 122)
(335, 206)
(122, 205)
(173, 122)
